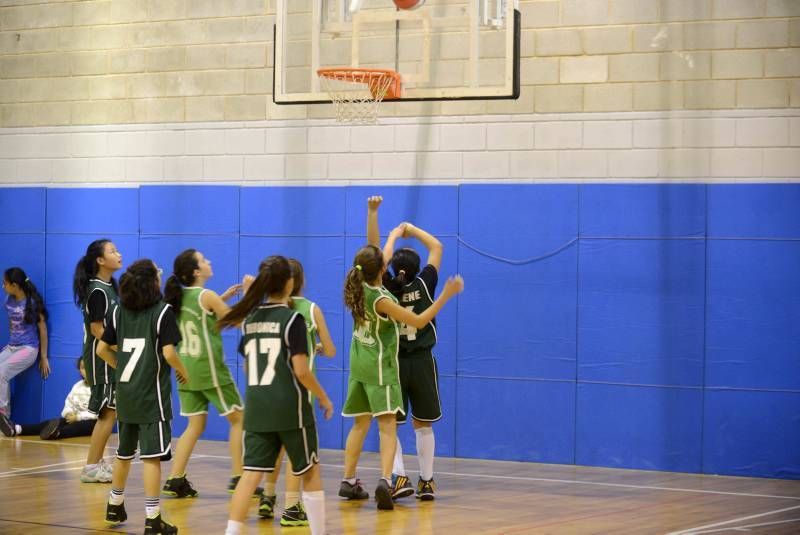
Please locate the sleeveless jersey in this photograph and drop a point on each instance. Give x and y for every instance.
(306, 309)
(275, 400)
(373, 351)
(142, 374)
(416, 298)
(97, 371)
(201, 344)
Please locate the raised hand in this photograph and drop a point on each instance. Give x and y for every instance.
(374, 202)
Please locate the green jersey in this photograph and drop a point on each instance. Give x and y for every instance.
(373, 351)
(142, 374)
(100, 301)
(201, 344)
(306, 309)
(275, 399)
(417, 296)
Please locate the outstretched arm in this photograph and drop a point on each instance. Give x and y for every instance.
(433, 245)
(388, 247)
(452, 287)
(373, 233)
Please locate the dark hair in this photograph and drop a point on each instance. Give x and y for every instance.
(297, 275)
(86, 269)
(367, 266)
(182, 275)
(34, 304)
(273, 273)
(138, 286)
(405, 266)
(78, 363)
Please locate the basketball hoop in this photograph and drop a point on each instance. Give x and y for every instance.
(356, 93)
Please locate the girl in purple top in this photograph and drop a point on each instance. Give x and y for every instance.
(27, 325)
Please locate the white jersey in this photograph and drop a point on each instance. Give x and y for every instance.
(77, 402)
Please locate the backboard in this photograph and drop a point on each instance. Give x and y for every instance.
(443, 49)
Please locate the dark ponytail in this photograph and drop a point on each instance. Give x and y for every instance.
(182, 275)
(405, 266)
(273, 273)
(34, 304)
(86, 269)
(297, 276)
(367, 266)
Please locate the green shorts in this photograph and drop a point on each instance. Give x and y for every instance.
(225, 398)
(419, 381)
(153, 439)
(261, 449)
(103, 396)
(374, 400)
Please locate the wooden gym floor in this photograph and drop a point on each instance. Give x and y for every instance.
(40, 493)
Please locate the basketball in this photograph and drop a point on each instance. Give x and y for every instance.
(408, 4)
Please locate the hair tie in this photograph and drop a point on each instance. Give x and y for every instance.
(27, 279)
(358, 267)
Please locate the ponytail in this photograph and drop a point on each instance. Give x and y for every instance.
(405, 265)
(34, 304)
(86, 268)
(354, 295)
(367, 266)
(182, 275)
(273, 273)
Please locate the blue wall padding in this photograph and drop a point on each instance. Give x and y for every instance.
(192, 210)
(643, 210)
(638, 326)
(640, 311)
(63, 375)
(753, 211)
(63, 253)
(96, 211)
(274, 211)
(753, 338)
(752, 433)
(525, 420)
(653, 428)
(23, 210)
(434, 208)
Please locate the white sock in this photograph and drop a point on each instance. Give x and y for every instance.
(152, 507)
(292, 498)
(351, 480)
(234, 527)
(398, 468)
(314, 503)
(426, 446)
(269, 488)
(116, 496)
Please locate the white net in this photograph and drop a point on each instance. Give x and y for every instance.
(357, 94)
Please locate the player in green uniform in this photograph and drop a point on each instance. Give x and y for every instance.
(419, 377)
(95, 293)
(278, 413)
(197, 309)
(316, 328)
(139, 343)
(373, 389)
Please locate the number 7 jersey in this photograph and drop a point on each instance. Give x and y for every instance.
(142, 374)
(275, 399)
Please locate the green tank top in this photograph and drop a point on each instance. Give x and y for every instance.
(275, 400)
(97, 371)
(373, 351)
(200, 349)
(142, 374)
(416, 298)
(306, 309)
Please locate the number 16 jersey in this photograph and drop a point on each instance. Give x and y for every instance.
(201, 344)
(275, 399)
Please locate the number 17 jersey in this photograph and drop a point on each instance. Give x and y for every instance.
(275, 400)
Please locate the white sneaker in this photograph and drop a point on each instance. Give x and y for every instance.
(107, 471)
(95, 474)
